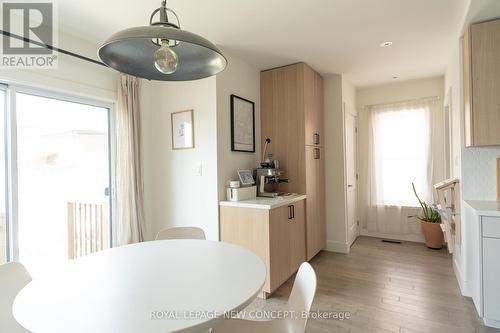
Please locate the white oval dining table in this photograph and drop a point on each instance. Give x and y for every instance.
(151, 287)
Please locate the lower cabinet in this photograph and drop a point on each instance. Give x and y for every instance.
(491, 277)
(482, 250)
(490, 241)
(277, 235)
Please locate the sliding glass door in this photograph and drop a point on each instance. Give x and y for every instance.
(3, 215)
(60, 179)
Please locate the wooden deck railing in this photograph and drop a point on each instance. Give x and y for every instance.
(88, 228)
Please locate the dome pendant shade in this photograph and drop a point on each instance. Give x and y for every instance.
(132, 51)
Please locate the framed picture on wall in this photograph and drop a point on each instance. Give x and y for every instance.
(242, 124)
(182, 129)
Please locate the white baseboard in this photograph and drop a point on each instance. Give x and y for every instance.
(407, 238)
(491, 323)
(462, 284)
(339, 247)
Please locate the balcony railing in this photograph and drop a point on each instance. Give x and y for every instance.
(88, 228)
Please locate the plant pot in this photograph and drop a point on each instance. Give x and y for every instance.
(433, 235)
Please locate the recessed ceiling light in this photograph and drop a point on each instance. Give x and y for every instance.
(385, 44)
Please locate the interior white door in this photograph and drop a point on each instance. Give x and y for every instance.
(350, 123)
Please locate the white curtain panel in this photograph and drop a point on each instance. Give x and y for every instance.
(128, 194)
(397, 150)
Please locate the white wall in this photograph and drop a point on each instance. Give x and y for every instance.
(479, 167)
(394, 92)
(176, 194)
(400, 91)
(241, 79)
(453, 88)
(334, 165)
(349, 94)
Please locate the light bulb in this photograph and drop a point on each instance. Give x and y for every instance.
(166, 60)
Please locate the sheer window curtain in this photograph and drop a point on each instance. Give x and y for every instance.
(128, 194)
(398, 150)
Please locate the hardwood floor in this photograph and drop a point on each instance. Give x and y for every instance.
(404, 288)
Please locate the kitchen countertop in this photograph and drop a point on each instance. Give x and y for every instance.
(485, 207)
(265, 203)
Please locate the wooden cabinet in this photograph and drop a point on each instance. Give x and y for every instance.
(292, 117)
(315, 189)
(481, 80)
(297, 229)
(276, 235)
(313, 107)
(282, 120)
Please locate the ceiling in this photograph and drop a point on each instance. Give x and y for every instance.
(333, 36)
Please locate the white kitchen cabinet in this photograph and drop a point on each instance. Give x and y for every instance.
(491, 277)
(482, 252)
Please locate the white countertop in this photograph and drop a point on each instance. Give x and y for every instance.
(265, 203)
(484, 207)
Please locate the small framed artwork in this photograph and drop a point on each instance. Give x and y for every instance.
(182, 129)
(242, 124)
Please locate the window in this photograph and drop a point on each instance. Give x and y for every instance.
(401, 154)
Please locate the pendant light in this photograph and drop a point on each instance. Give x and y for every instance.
(162, 51)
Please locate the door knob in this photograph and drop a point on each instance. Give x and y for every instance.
(349, 185)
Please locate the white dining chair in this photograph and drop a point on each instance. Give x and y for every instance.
(298, 305)
(13, 278)
(181, 233)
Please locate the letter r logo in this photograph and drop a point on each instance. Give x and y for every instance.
(29, 20)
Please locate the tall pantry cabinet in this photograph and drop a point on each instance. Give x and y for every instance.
(292, 117)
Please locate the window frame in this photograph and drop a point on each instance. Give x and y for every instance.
(5, 88)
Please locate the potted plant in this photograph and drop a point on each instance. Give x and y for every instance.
(430, 221)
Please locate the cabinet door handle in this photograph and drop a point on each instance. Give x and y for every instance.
(289, 212)
(316, 138)
(293, 211)
(317, 153)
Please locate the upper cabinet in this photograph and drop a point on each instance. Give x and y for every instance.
(313, 101)
(481, 79)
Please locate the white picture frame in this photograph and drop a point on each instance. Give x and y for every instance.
(182, 129)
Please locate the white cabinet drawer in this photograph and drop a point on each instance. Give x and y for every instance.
(491, 226)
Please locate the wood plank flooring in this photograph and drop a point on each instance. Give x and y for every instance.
(403, 288)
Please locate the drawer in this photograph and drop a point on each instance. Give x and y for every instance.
(491, 226)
